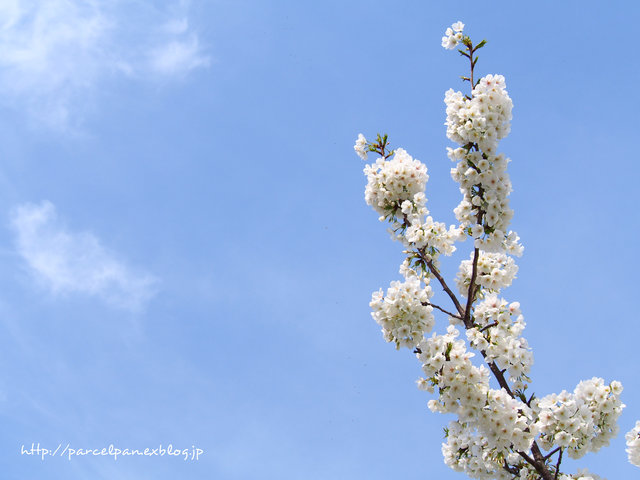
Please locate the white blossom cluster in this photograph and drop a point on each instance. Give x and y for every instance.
(395, 189)
(485, 186)
(581, 422)
(528, 472)
(582, 474)
(422, 233)
(494, 272)
(482, 119)
(453, 36)
(469, 452)
(497, 333)
(501, 423)
(361, 146)
(447, 364)
(477, 123)
(393, 182)
(633, 445)
(402, 312)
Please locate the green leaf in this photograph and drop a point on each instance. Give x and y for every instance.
(449, 348)
(481, 44)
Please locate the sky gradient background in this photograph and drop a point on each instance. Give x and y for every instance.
(187, 257)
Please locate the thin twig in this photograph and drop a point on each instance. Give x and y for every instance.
(498, 374)
(441, 309)
(558, 464)
(549, 455)
(511, 469)
(445, 287)
(494, 324)
(474, 272)
(472, 284)
(472, 66)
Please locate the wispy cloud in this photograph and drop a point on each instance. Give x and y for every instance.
(67, 262)
(55, 53)
(178, 57)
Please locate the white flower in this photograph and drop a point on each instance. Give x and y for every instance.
(361, 147)
(458, 26)
(453, 36)
(633, 445)
(477, 231)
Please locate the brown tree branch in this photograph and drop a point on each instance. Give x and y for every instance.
(558, 464)
(441, 309)
(443, 283)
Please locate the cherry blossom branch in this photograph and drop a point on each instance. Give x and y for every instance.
(397, 185)
(443, 283)
(476, 252)
(539, 463)
(540, 467)
(558, 464)
(471, 292)
(499, 374)
(512, 470)
(473, 64)
(494, 324)
(441, 309)
(550, 454)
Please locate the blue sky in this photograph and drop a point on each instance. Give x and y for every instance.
(187, 257)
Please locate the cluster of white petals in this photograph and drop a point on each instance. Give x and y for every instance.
(494, 272)
(395, 181)
(477, 124)
(484, 118)
(395, 189)
(501, 422)
(484, 184)
(447, 365)
(497, 333)
(506, 422)
(582, 474)
(402, 312)
(633, 445)
(453, 36)
(583, 421)
(427, 233)
(361, 146)
(497, 242)
(469, 452)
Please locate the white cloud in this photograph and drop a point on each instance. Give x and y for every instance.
(55, 53)
(178, 57)
(67, 262)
